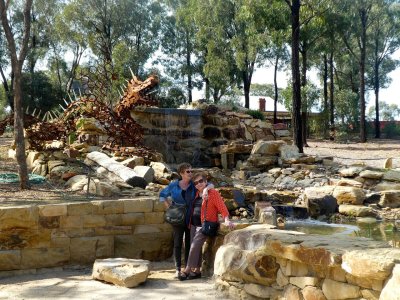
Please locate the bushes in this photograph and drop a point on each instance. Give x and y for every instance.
(391, 130)
(256, 114)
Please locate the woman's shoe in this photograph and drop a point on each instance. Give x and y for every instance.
(183, 276)
(194, 275)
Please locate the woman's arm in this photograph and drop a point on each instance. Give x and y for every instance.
(165, 194)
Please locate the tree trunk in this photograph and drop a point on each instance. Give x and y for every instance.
(189, 67)
(304, 107)
(276, 88)
(331, 94)
(246, 89)
(296, 101)
(19, 132)
(207, 89)
(325, 82)
(363, 133)
(10, 100)
(376, 90)
(17, 63)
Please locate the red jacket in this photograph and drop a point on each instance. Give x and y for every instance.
(215, 205)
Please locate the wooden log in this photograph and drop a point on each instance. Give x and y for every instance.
(126, 174)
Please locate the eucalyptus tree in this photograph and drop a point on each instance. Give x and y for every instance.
(180, 58)
(236, 31)
(70, 36)
(294, 6)
(17, 61)
(3, 66)
(385, 40)
(358, 18)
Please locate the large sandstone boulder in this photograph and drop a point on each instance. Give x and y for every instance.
(269, 148)
(319, 201)
(356, 210)
(391, 290)
(390, 199)
(121, 271)
(127, 174)
(349, 195)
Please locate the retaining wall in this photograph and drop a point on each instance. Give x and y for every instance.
(42, 236)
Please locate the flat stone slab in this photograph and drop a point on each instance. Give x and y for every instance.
(121, 271)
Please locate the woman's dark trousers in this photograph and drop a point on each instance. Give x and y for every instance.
(179, 233)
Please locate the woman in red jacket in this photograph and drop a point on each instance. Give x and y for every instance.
(215, 204)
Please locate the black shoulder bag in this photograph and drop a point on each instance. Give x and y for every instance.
(176, 214)
(209, 228)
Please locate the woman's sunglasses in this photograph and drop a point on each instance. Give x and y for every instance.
(198, 181)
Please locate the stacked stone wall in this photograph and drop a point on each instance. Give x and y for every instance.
(195, 135)
(260, 262)
(43, 236)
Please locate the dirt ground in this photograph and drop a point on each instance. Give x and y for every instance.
(76, 283)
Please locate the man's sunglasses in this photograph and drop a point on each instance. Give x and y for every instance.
(198, 181)
(189, 171)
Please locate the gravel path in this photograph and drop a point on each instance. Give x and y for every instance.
(373, 153)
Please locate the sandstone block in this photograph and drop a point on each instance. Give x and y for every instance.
(375, 264)
(302, 282)
(152, 228)
(387, 186)
(349, 182)
(267, 147)
(133, 219)
(138, 205)
(32, 156)
(390, 199)
(370, 294)
(336, 273)
(259, 291)
(371, 174)
(154, 218)
(281, 279)
(19, 217)
(93, 221)
(391, 290)
(121, 271)
(351, 171)
(71, 221)
(49, 222)
(87, 249)
(51, 210)
(154, 247)
(108, 207)
(10, 259)
(158, 206)
(349, 195)
(356, 210)
(294, 268)
(312, 293)
(146, 172)
(113, 230)
(106, 189)
(134, 161)
(391, 175)
(339, 290)
(291, 292)
(79, 209)
(44, 257)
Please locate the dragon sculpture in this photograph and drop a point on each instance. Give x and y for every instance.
(122, 131)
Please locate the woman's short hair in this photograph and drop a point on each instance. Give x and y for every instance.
(200, 174)
(183, 167)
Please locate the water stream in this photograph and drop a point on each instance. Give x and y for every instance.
(379, 231)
